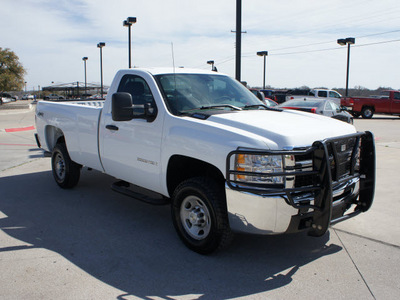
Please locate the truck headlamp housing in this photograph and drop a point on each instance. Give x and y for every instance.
(255, 168)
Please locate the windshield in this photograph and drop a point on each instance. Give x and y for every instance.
(184, 93)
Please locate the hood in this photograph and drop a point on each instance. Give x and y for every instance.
(283, 129)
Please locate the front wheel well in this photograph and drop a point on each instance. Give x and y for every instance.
(181, 168)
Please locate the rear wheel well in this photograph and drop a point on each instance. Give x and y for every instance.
(54, 136)
(368, 106)
(181, 168)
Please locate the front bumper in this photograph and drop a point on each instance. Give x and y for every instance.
(332, 198)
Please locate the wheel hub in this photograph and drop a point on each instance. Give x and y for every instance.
(195, 217)
(60, 167)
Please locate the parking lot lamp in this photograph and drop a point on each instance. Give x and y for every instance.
(101, 45)
(25, 86)
(84, 63)
(128, 23)
(265, 54)
(342, 42)
(213, 68)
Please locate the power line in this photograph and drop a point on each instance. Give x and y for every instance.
(246, 55)
(336, 48)
(374, 34)
(369, 44)
(328, 42)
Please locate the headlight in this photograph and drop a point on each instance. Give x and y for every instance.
(259, 165)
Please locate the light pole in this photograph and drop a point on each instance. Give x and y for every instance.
(128, 23)
(213, 68)
(25, 86)
(342, 42)
(84, 61)
(265, 54)
(101, 45)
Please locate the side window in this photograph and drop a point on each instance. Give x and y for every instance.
(322, 94)
(397, 95)
(138, 88)
(334, 95)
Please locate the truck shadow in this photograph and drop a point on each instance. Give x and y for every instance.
(380, 118)
(133, 246)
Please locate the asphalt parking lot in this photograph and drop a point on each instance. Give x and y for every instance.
(92, 243)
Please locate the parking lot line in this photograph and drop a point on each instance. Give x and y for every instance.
(19, 129)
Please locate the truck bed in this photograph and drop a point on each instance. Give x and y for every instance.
(78, 121)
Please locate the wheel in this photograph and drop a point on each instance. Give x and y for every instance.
(200, 216)
(367, 112)
(66, 172)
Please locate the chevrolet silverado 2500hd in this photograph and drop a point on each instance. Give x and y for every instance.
(225, 162)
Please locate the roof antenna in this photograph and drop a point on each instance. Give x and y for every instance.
(173, 62)
(173, 56)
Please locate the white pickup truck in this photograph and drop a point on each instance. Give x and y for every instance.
(318, 94)
(201, 142)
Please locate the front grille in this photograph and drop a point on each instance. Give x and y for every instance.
(340, 154)
(342, 150)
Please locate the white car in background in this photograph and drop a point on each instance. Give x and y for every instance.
(5, 98)
(27, 97)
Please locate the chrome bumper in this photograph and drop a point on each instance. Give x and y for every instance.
(271, 214)
(333, 195)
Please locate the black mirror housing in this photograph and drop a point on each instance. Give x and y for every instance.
(121, 107)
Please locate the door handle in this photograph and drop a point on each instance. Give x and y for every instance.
(112, 127)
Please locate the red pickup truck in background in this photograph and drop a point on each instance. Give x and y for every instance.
(387, 103)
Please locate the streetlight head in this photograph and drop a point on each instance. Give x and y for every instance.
(262, 53)
(341, 42)
(210, 62)
(129, 21)
(84, 58)
(101, 45)
(350, 40)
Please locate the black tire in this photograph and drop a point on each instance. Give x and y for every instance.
(65, 172)
(367, 113)
(200, 216)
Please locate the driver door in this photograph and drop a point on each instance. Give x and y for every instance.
(130, 150)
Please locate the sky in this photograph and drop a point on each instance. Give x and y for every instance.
(51, 37)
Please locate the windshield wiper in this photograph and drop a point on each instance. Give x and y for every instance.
(221, 106)
(262, 105)
(213, 106)
(256, 105)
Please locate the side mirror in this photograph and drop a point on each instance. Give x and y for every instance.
(121, 107)
(261, 96)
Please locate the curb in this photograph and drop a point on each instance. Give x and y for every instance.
(13, 106)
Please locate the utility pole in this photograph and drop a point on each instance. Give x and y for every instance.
(238, 39)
